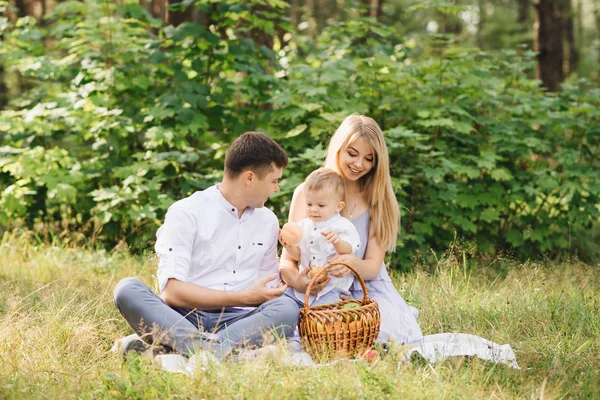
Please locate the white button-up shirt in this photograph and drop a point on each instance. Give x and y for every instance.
(204, 242)
(316, 251)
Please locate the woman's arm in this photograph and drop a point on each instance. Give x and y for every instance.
(288, 267)
(369, 267)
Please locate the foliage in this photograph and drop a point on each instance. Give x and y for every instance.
(123, 116)
(476, 147)
(121, 122)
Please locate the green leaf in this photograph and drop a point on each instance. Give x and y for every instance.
(487, 159)
(467, 200)
(421, 228)
(296, 131)
(515, 238)
(501, 174)
(490, 215)
(439, 122)
(311, 106)
(470, 172)
(465, 224)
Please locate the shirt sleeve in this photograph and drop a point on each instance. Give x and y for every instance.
(348, 233)
(270, 262)
(174, 244)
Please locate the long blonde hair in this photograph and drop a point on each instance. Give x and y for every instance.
(377, 184)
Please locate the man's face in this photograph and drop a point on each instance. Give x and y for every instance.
(262, 189)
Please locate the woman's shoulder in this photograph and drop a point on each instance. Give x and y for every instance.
(298, 193)
(299, 189)
(296, 211)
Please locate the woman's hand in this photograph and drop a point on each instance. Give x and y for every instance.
(338, 270)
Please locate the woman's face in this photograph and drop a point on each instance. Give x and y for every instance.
(356, 160)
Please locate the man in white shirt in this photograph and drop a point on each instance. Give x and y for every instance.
(218, 269)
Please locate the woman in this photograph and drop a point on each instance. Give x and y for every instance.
(357, 151)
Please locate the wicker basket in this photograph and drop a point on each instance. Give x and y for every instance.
(330, 330)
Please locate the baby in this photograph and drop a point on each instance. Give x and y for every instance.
(325, 233)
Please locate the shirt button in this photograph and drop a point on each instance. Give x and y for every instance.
(311, 242)
(233, 209)
(234, 271)
(313, 257)
(239, 247)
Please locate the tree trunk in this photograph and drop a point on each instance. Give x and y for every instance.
(524, 8)
(449, 23)
(158, 8)
(569, 30)
(3, 88)
(597, 12)
(293, 13)
(379, 9)
(579, 21)
(524, 22)
(548, 43)
(309, 7)
(180, 16)
(481, 25)
(373, 7)
(29, 8)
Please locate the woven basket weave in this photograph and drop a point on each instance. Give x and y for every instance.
(329, 330)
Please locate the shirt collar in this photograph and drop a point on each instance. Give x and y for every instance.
(231, 209)
(323, 224)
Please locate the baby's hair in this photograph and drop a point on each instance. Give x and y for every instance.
(325, 177)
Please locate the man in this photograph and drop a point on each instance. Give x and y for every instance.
(218, 260)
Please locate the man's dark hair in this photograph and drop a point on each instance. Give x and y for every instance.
(254, 151)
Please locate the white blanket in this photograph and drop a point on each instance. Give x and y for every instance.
(433, 348)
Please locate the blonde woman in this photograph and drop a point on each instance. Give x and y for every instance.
(357, 151)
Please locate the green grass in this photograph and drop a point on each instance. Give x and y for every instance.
(58, 323)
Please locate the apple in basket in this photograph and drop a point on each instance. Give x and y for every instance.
(350, 317)
(291, 233)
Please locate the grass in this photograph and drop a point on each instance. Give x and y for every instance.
(58, 323)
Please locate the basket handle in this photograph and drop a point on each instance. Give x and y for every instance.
(313, 280)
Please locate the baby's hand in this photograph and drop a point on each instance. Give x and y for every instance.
(331, 236)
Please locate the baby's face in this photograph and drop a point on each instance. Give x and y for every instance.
(322, 204)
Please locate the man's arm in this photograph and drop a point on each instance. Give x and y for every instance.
(187, 295)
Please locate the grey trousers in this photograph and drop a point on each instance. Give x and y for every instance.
(185, 331)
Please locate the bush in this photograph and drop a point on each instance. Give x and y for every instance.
(119, 122)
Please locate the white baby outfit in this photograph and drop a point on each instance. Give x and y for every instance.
(316, 251)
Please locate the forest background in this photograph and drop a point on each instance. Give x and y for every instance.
(112, 110)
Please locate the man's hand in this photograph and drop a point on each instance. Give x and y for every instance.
(259, 293)
(331, 236)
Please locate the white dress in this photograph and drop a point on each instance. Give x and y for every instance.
(398, 319)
